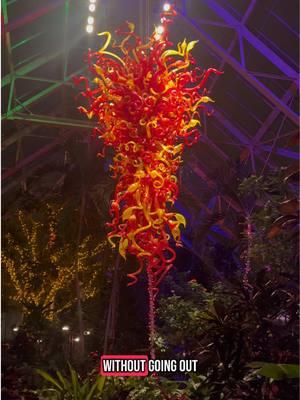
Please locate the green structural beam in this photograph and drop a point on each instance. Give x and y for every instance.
(53, 121)
(11, 95)
(46, 80)
(39, 61)
(22, 106)
(27, 40)
(4, 11)
(31, 100)
(65, 39)
(26, 69)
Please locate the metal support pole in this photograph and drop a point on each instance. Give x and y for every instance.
(77, 278)
(110, 329)
(65, 40)
(12, 89)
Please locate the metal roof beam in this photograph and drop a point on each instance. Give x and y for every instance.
(273, 115)
(227, 232)
(52, 121)
(33, 15)
(42, 152)
(22, 106)
(211, 144)
(38, 62)
(8, 186)
(281, 152)
(26, 69)
(202, 174)
(11, 139)
(221, 52)
(232, 129)
(252, 39)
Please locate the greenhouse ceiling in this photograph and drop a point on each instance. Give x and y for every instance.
(254, 117)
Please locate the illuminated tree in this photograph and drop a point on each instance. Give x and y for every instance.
(41, 265)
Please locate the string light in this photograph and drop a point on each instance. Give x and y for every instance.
(15, 329)
(90, 20)
(92, 7)
(36, 285)
(76, 339)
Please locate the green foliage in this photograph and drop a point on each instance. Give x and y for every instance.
(154, 387)
(273, 206)
(229, 327)
(127, 388)
(63, 388)
(276, 371)
(265, 186)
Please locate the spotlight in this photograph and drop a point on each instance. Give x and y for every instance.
(87, 333)
(167, 7)
(89, 28)
(65, 328)
(160, 30)
(92, 7)
(90, 20)
(15, 329)
(77, 339)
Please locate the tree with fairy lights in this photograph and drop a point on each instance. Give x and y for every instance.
(41, 264)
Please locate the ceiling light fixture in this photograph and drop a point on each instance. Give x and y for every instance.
(89, 28)
(90, 20)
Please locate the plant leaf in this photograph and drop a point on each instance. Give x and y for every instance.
(276, 371)
(93, 388)
(290, 206)
(75, 383)
(100, 383)
(63, 380)
(49, 378)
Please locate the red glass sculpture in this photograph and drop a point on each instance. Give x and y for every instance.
(146, 99)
